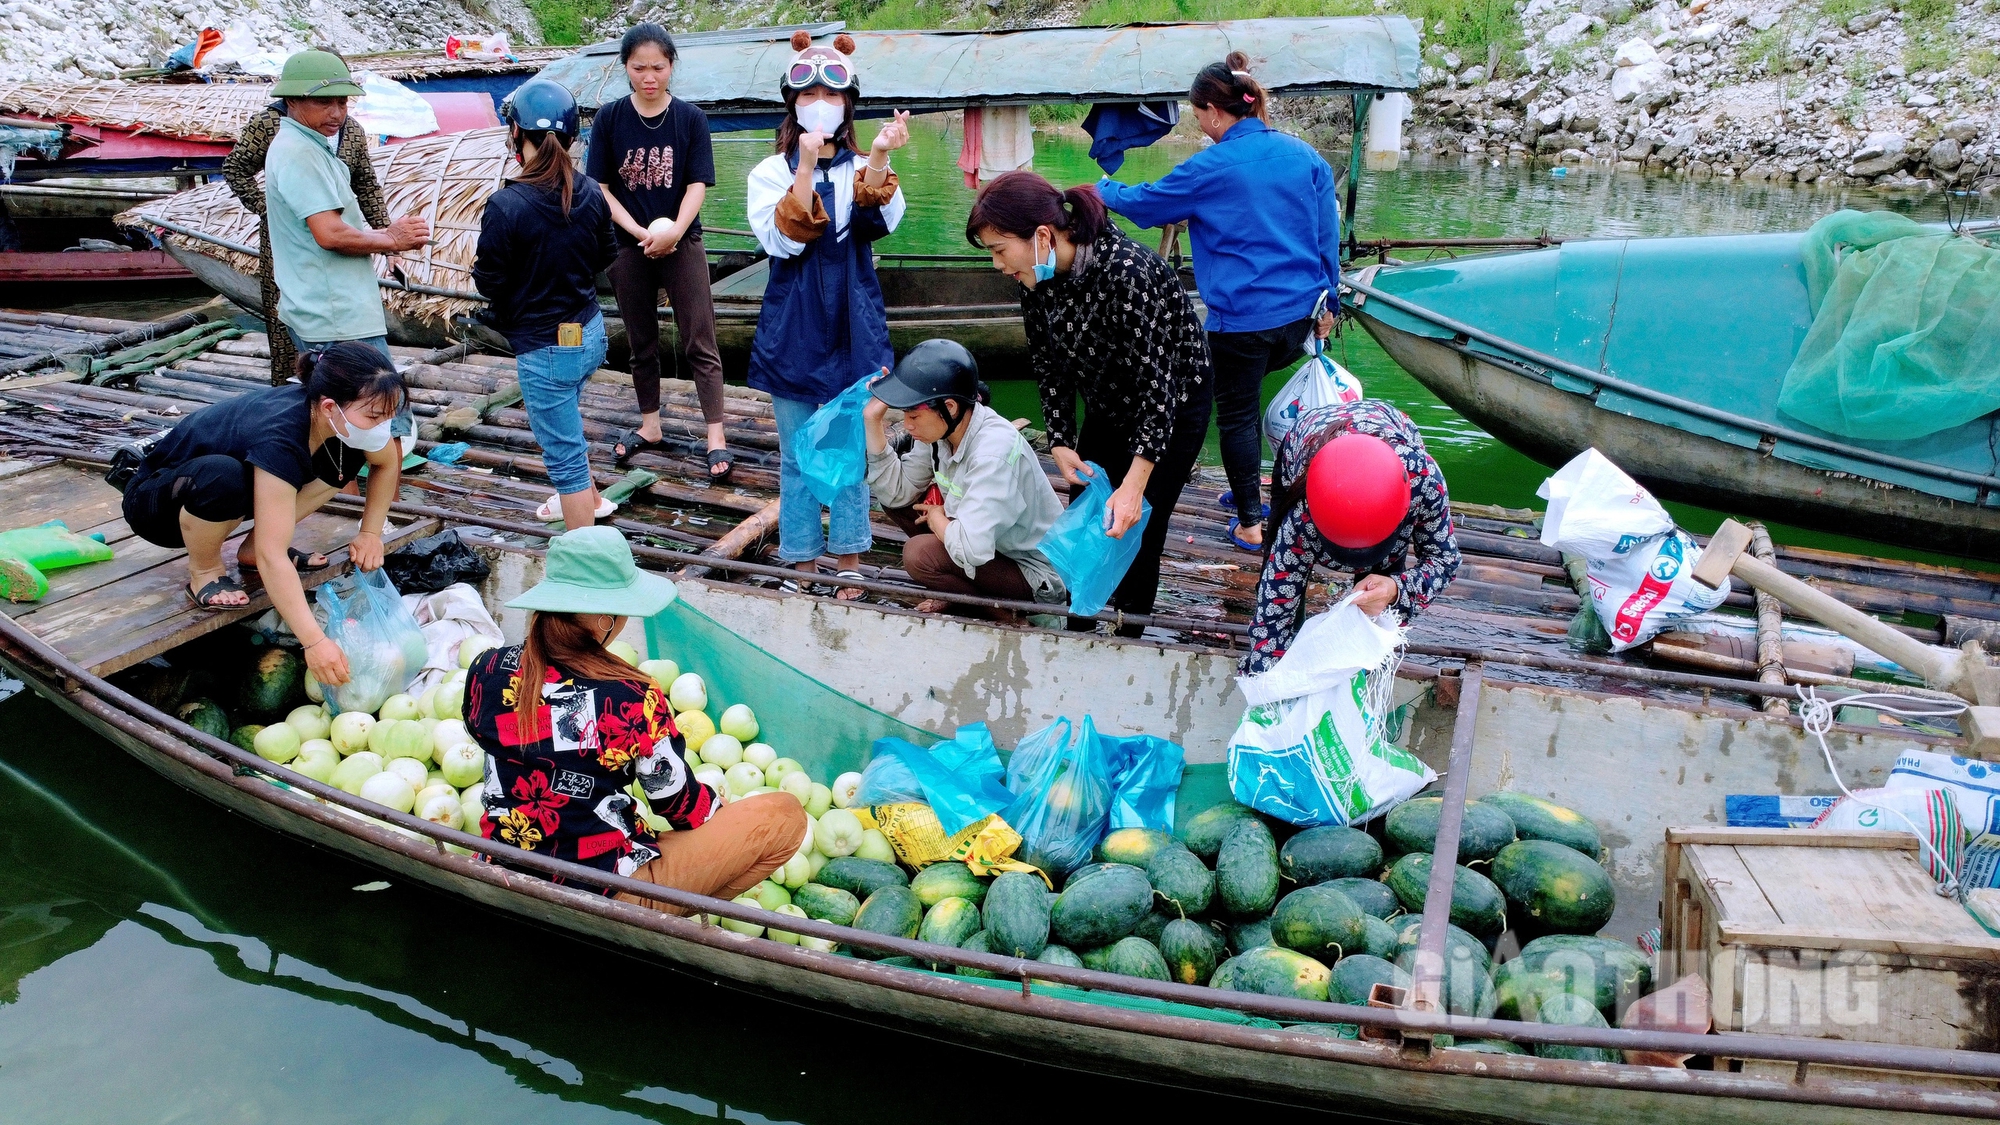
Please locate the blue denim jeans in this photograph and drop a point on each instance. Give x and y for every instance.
(552, 382)
(405, 422)
(801, 538)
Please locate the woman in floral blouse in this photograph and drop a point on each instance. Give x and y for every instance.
(1322, 513)
(1107, 320)
(561, 759)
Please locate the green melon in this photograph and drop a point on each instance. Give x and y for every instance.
(1553, 888)
(827, 904)
(949, 879)
(1412, 826)
(1372, 895)
(1244, 936)
(1489, 1047)
(1537, 819)
(1319, 922)
(1190, 950)
(1318, 855)
(1135, 957)
(1519, 992)
(1246, 870)
(1477, 906)
(949, 922)
(1377, 937)
(275, 680)
(1204, 831)
(892, 911)
(1271, 971)
(1610, 973)
(860, 877)
(1016, 913)
(245, 736)
(1101, 907)
(1136, 846)
(1572, 1011)
(1150, 926)
(1355, 975)
(977, 943)
(1183, 883)
(1468, 980)
(1059, 955)
(205, 716)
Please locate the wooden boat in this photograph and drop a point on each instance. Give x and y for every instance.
(1667, 354)
(27, 268)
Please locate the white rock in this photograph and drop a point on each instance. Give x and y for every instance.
(1569, 31)
(1766, 19)
(1634, 52)
(1881, 144)
(1632, 81)
(1920, 101)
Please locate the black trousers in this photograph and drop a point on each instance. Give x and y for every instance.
(215, 488)
(1242, 359)
(1109, 444)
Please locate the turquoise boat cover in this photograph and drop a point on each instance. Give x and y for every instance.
(1905, 338)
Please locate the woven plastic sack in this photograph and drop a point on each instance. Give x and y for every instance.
(384, 646)
(1090, 561)
(1063, 796)
(1318, 382)
(1905, 339)
(830, 448)
(1313, 747)
(1931, 815)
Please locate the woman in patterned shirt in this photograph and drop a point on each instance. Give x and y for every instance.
(1354, 491)
(1107, 319)
(562, 758)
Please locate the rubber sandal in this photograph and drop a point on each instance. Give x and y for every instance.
(204, 598)
(723, 459)
(1253, 548)
(856, 592)
(301, 561)
(551, 509)
(634, 445)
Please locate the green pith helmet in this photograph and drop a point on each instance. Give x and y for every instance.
(316, 74)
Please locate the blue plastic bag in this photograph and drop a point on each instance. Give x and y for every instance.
(831, 449)
(1090, 562)
(1063, 796)
(384, 647)
(959, 779)
(1145, 776)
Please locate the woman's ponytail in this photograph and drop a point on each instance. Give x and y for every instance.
(1017, 203)
(1230, 87)
(350, 372)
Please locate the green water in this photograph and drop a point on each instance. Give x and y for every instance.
(1438, 200)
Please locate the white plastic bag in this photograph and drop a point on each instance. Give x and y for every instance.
(1310, 749)
(239, 42)
(448, 619)
(390, 109)
(1640, 566)
(1318, 382)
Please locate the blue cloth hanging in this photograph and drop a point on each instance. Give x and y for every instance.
(1115, 127)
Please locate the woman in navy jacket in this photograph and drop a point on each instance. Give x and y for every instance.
(1265, 224)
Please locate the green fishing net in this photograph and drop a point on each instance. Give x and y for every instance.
(1905, 339)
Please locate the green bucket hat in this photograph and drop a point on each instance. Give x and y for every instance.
(316, 74)
(590, 570)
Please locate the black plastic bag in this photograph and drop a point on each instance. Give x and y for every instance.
(429, 565)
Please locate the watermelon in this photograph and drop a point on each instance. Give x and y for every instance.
(1136, 846)
(1356, 975)
(950, 922)
(1190, 951)
(1101, 907)
(1318, 921)
(1184, 884)
(1096, 960)
(1271, 971)
(1536, 819)
(1135, 957)
(1059, 955)
(1412, 826)
(1017, 915)
(1327, 1030)
(1377, 937)
(1410, 926)
(893, 911)
(950, 879)
(827, 904)
(1468, 981)
(1518, 991)
(1372, 895)
(275, 679)
(860, 877)
(1489, 1047)
(902, 962)
(1553, 888)
(1224, 976)
(1572, 1011)
(1610, 974)
(977, 943)
(1204, 831)
(245, 736)
(1477, 906)
(1150, 926)
(1245, 936)
(1332, 852)
(1246, 870)
(205, 716)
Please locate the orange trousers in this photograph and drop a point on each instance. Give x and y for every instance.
(742, 843)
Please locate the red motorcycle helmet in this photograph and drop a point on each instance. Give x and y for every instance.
(1357, 492)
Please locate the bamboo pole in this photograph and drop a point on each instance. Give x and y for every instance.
(1770, 626)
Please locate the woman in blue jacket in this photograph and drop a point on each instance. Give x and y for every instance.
(1265, 223)
(817, 207)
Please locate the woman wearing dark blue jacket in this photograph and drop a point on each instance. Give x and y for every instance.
(1265, 225)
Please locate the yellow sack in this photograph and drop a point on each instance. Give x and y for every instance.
(985, 846)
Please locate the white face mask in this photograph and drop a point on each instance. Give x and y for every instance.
(364, 439)
(820, 117)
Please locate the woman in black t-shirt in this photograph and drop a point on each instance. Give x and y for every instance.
(650, 153)
(276, 455)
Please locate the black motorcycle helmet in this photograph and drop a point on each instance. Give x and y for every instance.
(935, 372)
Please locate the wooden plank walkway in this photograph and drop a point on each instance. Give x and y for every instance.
(111, 615)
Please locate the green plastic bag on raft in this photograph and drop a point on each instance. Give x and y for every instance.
(52, 546)
(1905, 339)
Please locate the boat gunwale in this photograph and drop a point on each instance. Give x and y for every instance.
(251, 775)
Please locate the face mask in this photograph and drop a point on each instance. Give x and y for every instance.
(820, 117)
(1044, 270)
(364, 439)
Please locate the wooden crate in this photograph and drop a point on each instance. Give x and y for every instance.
(1837, 935)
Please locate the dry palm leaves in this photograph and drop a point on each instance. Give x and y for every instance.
(216, 113)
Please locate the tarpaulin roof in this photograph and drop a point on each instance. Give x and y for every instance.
(935, 70)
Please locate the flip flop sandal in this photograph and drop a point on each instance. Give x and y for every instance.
(634, 445)
(816, 589)
(1253, 548)
(551, 509)
(204, 598)
(857, 592)
(301, 561)
(720, 458)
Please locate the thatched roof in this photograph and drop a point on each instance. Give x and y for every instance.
(216, 113)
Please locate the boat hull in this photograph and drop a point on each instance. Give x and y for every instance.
(1553, 425)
